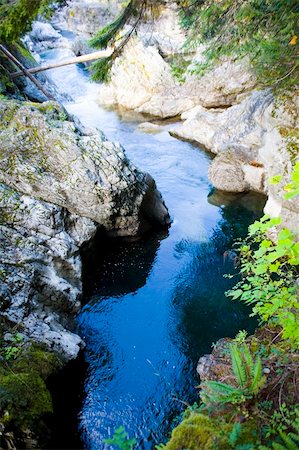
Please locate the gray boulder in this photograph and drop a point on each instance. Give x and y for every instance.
(59, 184)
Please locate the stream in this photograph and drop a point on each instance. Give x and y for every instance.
(153, 307)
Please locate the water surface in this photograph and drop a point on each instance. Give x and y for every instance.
(153, 307)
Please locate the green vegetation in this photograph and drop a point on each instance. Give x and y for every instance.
(24, 397)
(265, 31)
(16, 16)
(270, 271)
(248, 376)
(134, 12)
(249, 400)
(121, 440)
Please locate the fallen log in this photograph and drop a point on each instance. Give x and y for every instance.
(76, 60)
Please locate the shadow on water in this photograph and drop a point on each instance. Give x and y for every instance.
(116, 267)
(153, 308)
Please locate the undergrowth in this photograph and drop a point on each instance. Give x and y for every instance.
(266, 31)
(249, 397)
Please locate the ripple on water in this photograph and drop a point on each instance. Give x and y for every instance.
(155, 306)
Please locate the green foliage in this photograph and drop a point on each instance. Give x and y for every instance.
(178, 67)
(248, 376)
(241, 337)
(283, 419)
(269, 271)
(287, 440)
(12, 350)
(198, 431)
(24, 396)
(264, 30)
(101, 69)
(293, 187)
(121, 440)
(109, 33)
(16, 16)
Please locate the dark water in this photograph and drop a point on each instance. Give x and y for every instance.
(153, 307)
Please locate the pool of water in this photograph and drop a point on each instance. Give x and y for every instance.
(153, 307)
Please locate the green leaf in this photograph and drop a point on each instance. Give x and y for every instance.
(237, 365)
(275, 179)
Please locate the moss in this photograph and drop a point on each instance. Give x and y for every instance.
(197, 431)
(291, 138)
(24, 397)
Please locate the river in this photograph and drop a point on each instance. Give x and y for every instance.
(153, 307)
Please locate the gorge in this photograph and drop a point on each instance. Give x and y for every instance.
(77, 198)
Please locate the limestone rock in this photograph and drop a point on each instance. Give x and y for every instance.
(141, 80)
(226, 174)
(86, 17)
(248, 139)
(43, 31)
(136, 76)
(44, 155)
(58, 183)
(164, 32)
(40, 266)
(148, 127)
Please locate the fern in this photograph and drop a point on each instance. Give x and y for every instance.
(249, 378)
(234, 434)
(257, 376)
(238, 366)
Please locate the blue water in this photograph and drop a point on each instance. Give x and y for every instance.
(153, 307)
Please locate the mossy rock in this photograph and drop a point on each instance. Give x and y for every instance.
(196, 432)
(24, 396)
(199, 431)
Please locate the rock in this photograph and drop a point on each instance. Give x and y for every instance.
(148, 127)
(137, 67)
(43, 37)
(45, 156)
(58, 184)
(159, 94)
(86, 18)
(217, 365)
(226, 174)
(42, 31)
(164, 32)
(40, 268)
(253, 141)
(222, 86)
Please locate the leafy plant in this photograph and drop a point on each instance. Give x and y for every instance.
(269, 270)
(248, 376)
(121, 440)
(241, 337)
(12, 350)
(288, 441)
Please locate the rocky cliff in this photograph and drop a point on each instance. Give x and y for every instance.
(252, 132)
(59, 184)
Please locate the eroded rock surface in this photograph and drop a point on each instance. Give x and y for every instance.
(87, 17)
(253, 140)
(46, 155)
(59, 183)
(40, 268)
(160, 94)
